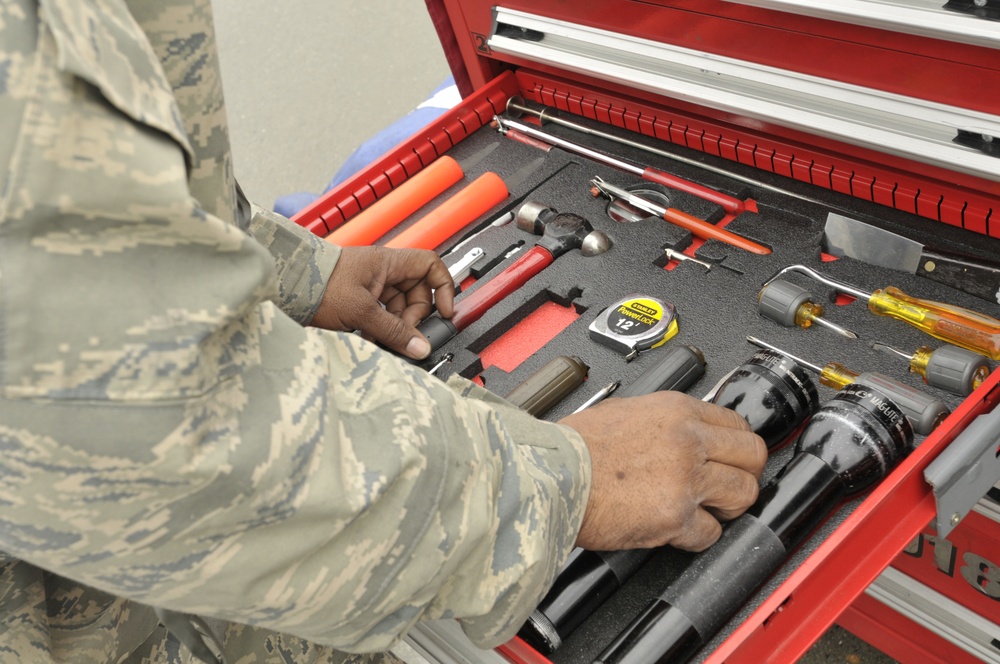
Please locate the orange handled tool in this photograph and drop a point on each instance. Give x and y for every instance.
(453, 215)
(957, 325)
(698, 227)
(387, 212)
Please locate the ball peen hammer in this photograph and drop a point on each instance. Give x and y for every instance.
(560, 233)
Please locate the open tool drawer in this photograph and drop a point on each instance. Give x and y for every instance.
(877, 111)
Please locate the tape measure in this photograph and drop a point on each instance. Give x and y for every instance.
(635, 323)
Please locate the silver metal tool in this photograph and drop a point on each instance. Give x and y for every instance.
(682, 257)
(445, 360)
(844, 236)
(461, 269)
(502, 220)
(517, 105)
(601, 395)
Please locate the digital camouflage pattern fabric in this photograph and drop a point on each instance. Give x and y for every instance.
(172, 435)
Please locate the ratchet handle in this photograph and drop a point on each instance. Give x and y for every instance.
(962, 327)
(708, 231)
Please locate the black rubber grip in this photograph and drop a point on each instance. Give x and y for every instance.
(437, 330)
(678, 369)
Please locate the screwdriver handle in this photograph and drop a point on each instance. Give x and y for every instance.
(951, 368)
(549, 385)
(963, 327)
(923, 411)
(708, 231)
(678, 369)
(837, 376)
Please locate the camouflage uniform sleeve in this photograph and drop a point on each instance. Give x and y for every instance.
(303, 261)
(171, 436)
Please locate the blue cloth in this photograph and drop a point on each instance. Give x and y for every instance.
(444, 97)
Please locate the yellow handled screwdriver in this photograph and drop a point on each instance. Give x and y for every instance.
(956, 325)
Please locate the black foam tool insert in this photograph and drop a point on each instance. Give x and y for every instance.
(716, 308)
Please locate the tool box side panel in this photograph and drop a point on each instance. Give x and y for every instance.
(898, 636)
(962, 567)
(945, 72)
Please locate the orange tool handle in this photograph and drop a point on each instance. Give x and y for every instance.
(386, 213)
(705, 230)
(733, 206)
(962, 327)
(453, 215)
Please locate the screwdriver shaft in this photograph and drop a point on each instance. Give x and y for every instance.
(601, 395)
(887, 348)
(834, 327)
(763, 344)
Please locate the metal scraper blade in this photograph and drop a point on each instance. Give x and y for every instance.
(849, 237)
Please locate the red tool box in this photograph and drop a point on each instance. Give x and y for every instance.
(882, 111)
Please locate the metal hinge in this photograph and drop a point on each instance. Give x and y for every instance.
(965, 471)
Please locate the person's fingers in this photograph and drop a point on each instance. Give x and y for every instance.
(711, 413)
(393, 333)
(422, 265)
(411, 305)
(727, 490)
(701, 532)
(741, 449)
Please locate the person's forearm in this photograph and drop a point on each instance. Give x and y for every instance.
(303, 261)
(330, 491)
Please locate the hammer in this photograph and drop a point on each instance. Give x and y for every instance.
(560, 234)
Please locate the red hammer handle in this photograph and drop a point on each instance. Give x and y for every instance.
(470, 309)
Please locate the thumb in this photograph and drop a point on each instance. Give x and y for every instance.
(397, 335)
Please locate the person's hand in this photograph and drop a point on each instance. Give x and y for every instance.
(400, 279)
(666, 469)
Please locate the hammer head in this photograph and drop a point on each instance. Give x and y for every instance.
(561, 232)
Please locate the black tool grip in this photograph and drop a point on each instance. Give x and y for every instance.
(677, 370)
(968, 274)
(437, 330)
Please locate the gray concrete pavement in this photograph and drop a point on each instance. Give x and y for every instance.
(307, 81)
